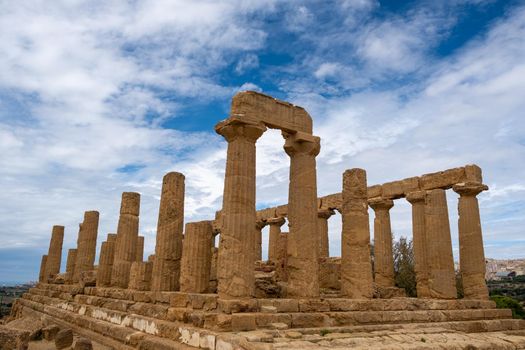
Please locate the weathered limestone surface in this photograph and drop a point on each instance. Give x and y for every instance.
(213, 270)
(273, 240)
(302, 264)
(70, 265)
(42, 274)
(236, 259)
(322, 229)
(442, 279)
(419, 239)
(140, 249)
(54, 255)
(281, 258)
(383, 256)
(86, 244)
(471, 253)
(356, 266)
(168, 249)
(259, 225)
(140, 275)
(126, 241)
(105, 263)
(196, 257)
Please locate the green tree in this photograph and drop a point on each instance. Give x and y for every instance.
(404, 271)
(504, 302)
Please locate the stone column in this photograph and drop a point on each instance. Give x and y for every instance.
(383, 256)
(196, 257)
(442, 279)
(356, 265)
(281, 258)
(126, 242)
(140, 275)
(419, 239)
(54, 255)
(322, 227)
(105, 262)
(273, 240)
(471, 253)
(140, 249)
(236, 259)
(259, 225)
(168, 248)
(86, 244)
(303, 265)
(70, 265)
(42, 274)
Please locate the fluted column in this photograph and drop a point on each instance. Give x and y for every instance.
(281, 257)
(168, 248)
(420, 241)
(140, 249)
(196, 257)
(105, 262)
(442, 279)
(471, 252)
(356, 265)
(42, 274)
(236, 258)
(70, 265)
(322, 229)
(54, 255)
(86, 244)
(273, 240)
(303, 265)
(126, 242)
(383, 256)
(140, 275)
(259, 225)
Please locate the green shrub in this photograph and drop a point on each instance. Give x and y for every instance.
(504, 302)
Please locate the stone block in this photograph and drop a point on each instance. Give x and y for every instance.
(14, 339)
(179, 300)
(243, 322)
(180, 314)
(229, 306)
(64, 339)
(392, 190)
(332, 201)
(307, 320)
(375, 191)
(410, 184)
(206, 302)
(442, 179)
(287, 305)
(265, 320)
(83, 344)
(49, 332)
(313, 305)
(473, 174)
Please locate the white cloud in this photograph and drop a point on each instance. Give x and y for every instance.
(246, 63)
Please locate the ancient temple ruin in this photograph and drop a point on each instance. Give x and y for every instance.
(191, 293)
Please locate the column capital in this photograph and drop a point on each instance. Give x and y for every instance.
(469, 188)
(379, 203)
(325, 213)
(416, 197)
(300, 142)
(278, 221)
(260, 224)
(234, 128)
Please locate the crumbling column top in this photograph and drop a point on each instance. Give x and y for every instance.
(235, 127)
(325, 213)
(379, 203)
(278, 221)
(469, 188)
(416, 196)
(301, 142)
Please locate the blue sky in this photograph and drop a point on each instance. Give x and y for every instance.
(101, 97)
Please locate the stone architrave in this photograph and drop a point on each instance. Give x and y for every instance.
(322, 228)
(383, 256)
(356, 264)
(258, 240)
(196, 257)
(238, 228)
(140, 249)
(303, 240)
(42, 274)
(168, 248)
(140, 275)
(126, 242)
(105, 263)
(274, 237)
(70, 265)
(54, 255)
(471, 253)
(442, 278)
(86, 244)
(419, 239)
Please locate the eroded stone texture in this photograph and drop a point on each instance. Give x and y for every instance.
(471, 253)
(356, 266)
(442, 279)
(281, 259)
(302, 264)
(70, 265)
(236, 259)
(126, 241)
(140, 275)
(105, 263)
(196, 257)
(213, 270)
(168, 248)
(54, 255)
(42, 274)
(419, 239)
(322, 230)
(140, 248)
(258, 240)
(383, 256)
(86, 244)
(273, 240)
